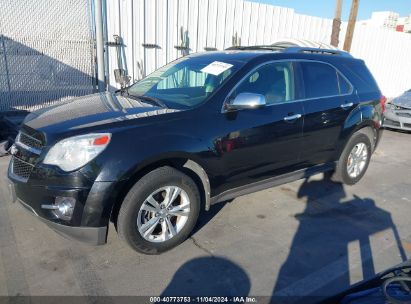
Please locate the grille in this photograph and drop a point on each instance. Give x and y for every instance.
(21, 169)
(30, 141)
(404, 114)
(392, 122)
(395, 107)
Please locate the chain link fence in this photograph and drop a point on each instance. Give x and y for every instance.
(46, 52)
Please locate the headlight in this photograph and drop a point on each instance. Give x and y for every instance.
(74, 152)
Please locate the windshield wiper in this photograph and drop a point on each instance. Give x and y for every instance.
(149, 99)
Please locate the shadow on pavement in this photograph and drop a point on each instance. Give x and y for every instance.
(209, 276)
(318, 260)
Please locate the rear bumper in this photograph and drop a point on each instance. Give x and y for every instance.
(90, 235)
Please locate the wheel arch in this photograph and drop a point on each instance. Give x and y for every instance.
(185, 164)
(365, 127)
(371, 134)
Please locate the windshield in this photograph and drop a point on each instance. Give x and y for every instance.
(186, 82)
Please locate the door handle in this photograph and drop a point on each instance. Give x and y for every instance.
(292, 117)
(347, 105)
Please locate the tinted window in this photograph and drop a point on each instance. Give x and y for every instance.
(319, 80)
(360, 76)
(275, 81)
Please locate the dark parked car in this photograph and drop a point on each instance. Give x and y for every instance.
(203, 129)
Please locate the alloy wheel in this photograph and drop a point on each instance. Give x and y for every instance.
(357, 160)
(163, 214)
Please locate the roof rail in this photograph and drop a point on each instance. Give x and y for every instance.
(256, 47)
(290, 49)
(316, 50)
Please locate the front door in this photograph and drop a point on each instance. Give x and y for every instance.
(263, 142)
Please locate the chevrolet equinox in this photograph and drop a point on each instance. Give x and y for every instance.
(203, 129)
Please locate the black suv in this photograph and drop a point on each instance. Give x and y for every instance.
(203, 129)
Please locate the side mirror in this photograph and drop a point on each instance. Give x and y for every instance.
(121, 77)
(246, 101)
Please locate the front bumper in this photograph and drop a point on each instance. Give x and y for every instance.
(89, 235)
(91, 212)
(397, 119)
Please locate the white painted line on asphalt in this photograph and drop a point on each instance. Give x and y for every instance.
(354, 256)
(3, 280)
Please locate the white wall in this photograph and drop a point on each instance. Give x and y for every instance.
(212, 24)
(387, 55)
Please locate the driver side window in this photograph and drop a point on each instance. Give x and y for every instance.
(275, 81)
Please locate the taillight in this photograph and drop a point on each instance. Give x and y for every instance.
(383, 100)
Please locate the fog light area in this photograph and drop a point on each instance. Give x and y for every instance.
(65, 207)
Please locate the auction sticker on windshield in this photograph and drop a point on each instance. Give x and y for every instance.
(216, 68)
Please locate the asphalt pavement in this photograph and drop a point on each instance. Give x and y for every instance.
(310, 237)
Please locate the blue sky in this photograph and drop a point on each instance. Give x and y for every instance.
(325, 8)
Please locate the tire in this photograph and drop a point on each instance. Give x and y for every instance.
(342, 173)
(133, 218)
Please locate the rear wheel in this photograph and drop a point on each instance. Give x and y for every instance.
(354, 160)
(160, 211)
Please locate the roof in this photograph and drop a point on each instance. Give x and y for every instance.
(291, 42)
(248, 53)
(232, 55)
(291, 49)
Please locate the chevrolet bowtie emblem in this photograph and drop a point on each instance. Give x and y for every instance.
(13, 150)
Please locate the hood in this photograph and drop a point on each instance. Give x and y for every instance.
(90, 111)
(403, 101)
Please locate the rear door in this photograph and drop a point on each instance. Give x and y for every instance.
(328, 100)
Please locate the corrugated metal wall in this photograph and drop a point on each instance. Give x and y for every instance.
(46, 52)
(207, 24)
(213, 24)
(388, 56)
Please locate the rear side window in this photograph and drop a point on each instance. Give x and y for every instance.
(343, 84)
(321, 80)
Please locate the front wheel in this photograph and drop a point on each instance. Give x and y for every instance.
(160, 211)
(354, 160)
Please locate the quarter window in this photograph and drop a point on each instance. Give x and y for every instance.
(274, 80)
(322, 80)
(344, 86)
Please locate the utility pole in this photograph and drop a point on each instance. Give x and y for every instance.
(101, 80)
(336, 23)
(351, 25)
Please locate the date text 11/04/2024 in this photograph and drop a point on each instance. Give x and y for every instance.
(203, 299)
